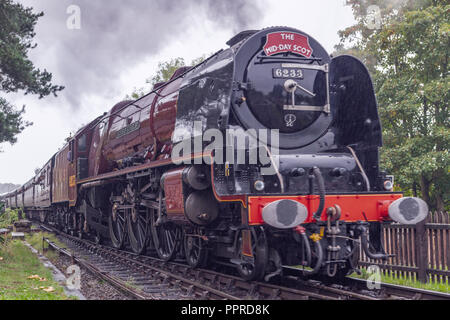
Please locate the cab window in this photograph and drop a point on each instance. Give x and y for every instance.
(82, 145)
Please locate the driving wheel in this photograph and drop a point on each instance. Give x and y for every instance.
(166, 238)
(138, 228)
(117, 227)
(253, 253)
(195, 251)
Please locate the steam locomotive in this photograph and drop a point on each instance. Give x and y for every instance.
(262, 157)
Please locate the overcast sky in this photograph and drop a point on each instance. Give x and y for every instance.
(118, 47)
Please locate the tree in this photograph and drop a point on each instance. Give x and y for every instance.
(17, 72)
(165, 71)
(408, 57)
(11, 122)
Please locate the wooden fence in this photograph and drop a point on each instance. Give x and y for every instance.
(422, 252)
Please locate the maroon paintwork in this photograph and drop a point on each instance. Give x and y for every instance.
(61, 176)
(43, 186)
(165, 110)
(143, 127)
(130, 128)
(174, 195)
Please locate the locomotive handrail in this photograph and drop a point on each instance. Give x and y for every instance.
(291, 86)
(306, 108)
(277, 171)
(288, 58)
(318, 175)
(361, 168)
(366, 243)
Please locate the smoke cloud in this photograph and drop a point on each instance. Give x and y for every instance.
(117, 34)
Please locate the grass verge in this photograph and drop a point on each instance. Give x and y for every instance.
(407, 281)
(17, 264)
(8, 218)
(35, 240)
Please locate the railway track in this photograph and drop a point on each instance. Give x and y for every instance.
(392, 291)
(386, 291)
(145, 277)
(134, 278)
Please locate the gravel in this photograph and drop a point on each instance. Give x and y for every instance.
(91, 287)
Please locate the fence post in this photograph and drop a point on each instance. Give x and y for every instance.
(421, 252)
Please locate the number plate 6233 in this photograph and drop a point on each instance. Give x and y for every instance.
(295, 73)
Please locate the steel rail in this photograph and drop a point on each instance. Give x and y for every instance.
(116, 282)
(394, 291)
(172, 275)
(193, 287)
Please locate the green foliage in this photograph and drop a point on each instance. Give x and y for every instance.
(136, 94)
(16, 34)
(11, 122)
(8, 218)
(17, 72)
(35, 239)
(165, 71)
(408, 281)
(408, 59)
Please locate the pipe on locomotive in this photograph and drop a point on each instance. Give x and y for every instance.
(318, 250)
(319, 253)
(317, 174)
(366, 245)
(307, 248)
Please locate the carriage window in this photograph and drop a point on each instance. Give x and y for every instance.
(117, 125)
(70, 153)
(102, 128)
(82, 146)
(105, 127)
(42, 179)
(131, 114)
